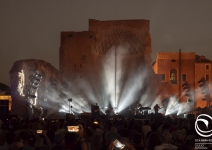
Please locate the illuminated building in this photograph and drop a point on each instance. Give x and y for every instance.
(106, 57)
(178, 67)
(110, 64)
(81, 52)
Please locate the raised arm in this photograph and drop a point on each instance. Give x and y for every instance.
(81, 138)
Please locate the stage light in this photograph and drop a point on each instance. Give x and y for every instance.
(32, 89)
(33, 78)
(70, 106)
(173, 106)
(37, 74)
(36, 84)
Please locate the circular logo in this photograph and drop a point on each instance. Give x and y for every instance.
(200, 118)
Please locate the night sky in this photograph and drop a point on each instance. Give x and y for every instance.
(30, 29)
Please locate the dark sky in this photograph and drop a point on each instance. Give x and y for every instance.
(30, 29)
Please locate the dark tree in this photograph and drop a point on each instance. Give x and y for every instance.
(4, 88)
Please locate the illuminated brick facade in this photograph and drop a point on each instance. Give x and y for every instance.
(81, 52)
(178, 67)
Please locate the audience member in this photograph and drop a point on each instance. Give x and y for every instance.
(166, 143)
(153, 140)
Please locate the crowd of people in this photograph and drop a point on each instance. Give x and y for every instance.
(155, 133)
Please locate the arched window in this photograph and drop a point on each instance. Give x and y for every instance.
(173, 76)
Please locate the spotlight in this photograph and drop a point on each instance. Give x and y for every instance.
(36, 84)
(36, 77)
(70, 107)
(33, 78)
(37, 74)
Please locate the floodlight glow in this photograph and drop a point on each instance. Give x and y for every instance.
(119, 85)
(37, 74)
(21, 83)
(173, 106)
(184, 108)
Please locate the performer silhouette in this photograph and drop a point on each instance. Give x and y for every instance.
(156, 108)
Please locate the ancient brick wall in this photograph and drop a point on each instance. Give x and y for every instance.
(82, 53)
(132, 34)
(75, 54)
(193, 68)
(19, 80)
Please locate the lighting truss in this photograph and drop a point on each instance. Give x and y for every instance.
(31, 90)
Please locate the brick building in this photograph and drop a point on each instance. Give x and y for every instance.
(117, 52)
(177, 68)
(81, 52)
(83, 55)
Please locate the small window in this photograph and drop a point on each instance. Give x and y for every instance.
(183, 77)
(173, 76)
(207, 67)
(207, 77)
